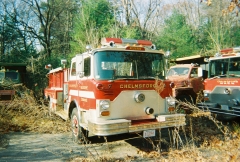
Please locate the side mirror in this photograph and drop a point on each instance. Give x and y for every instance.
(81, 74)
(63, 62)
(200, 72)
(167, 54)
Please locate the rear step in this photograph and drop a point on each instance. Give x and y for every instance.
(62, 114)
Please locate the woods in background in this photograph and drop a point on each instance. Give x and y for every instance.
(39, 32)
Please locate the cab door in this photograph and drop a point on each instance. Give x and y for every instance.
(196, 79)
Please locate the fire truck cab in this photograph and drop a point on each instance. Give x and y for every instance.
(221, 88)
(12, 76)
(114, 89)
(186, 81)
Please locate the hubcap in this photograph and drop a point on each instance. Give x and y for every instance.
(75, 126)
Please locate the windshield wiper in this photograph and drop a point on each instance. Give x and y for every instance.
(125, 78)
(146, 77)
(218, 76)
(234, 75)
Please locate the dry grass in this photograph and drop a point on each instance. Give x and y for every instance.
(203, 138)
(25, 114)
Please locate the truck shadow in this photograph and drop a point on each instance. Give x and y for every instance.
(148, 144)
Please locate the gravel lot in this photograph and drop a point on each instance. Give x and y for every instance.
(23, 147)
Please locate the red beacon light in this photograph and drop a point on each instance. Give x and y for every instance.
(48, 67)
(227, 50)
(230, 50)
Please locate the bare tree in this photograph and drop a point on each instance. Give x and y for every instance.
(213, 17)
(15, 38)
(38, 18)
(143, 15)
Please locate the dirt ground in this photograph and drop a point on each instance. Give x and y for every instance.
(32, 146)
(27, 131)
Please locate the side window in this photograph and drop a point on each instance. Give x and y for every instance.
(234, 67)
(194, 72)
(73, 69)
(87, 66)
(157, 68)
(218, 67)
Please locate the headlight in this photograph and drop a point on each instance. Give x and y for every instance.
(139, 97)
(206, 93)
(171, 101)
(227, 91)
(104, 104)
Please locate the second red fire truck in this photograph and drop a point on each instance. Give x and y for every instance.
(222, 87)
(117, 88)
(187, 80)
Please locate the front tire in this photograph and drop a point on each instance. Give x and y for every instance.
(77, 131)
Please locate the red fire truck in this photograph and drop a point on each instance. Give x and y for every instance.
(222, 88)
(187, 80)
(113, 89)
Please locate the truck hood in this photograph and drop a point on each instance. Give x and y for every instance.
(179, 81)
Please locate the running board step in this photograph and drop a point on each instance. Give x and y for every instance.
(62, 114)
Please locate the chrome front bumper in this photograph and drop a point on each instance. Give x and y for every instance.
(119, 126)
(219, 108)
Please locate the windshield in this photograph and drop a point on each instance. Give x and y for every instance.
(225, 68)
(9, 75)
(2, 75)
(128, 65)
(178, 71)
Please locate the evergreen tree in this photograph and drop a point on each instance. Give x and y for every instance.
(94, 21)
(177, 36)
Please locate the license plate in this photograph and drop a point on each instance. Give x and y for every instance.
(148, 133)
(224, 107)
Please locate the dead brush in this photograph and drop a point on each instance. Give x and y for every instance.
(201, 124)
(173, 133)
(25, 113)
(199, 113)
(236, 128)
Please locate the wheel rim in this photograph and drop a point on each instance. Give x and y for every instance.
(75, 127)
(50, 107)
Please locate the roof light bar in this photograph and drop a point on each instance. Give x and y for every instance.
(227, 50)
(120, 41)
(236, 49)
(230, 50)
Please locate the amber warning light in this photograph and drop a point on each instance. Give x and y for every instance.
(135, 48)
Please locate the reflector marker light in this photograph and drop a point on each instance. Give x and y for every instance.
(99, 86)
(120, 41)
(104, 113)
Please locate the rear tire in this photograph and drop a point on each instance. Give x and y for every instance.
(78, 133)
(50, 107)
